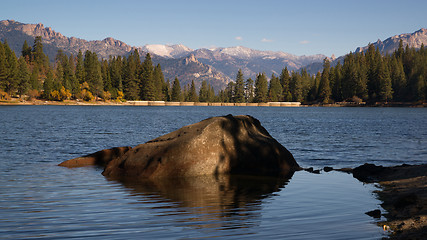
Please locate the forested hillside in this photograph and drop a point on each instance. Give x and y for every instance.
(82, 77)
(363, 76)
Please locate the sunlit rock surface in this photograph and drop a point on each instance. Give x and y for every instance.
(228, 144)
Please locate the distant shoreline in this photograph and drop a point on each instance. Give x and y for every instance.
(164, 103)
(148, 103)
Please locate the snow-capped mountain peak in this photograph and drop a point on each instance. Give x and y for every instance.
(167, 51)
(240, 52)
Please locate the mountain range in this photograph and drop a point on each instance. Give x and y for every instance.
(218, 66)
(388, 46)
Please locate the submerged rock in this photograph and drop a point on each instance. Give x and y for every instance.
(229, 144)
(100, 158)
(374, 213)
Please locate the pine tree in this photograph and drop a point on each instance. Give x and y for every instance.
(26, 51)
(11, 82)
(115, 67)
(306, 83)
(249, 90)
(23, 77)
(159, 82)
(71, 72)
(337, 86)
(400, 51)
(192, 95)
(80, 73)
(211, 93)
(59, 77)
(296, 87)
(261, 88)
(373, 58)
(349, 82)
(275, 89)
(203, 92)
(131, 83)
(68, 73)
(362, 76)
(385, 89)
(106, 76)
(229, 92)
(148, 87)
(34, 79)
(93, 74)
(176, 91)
(222, 96)
(418, 88)
(314, 91)
(167, 91)
(4, 71)
(324, 87)
(38, 55)
(48, 85)
(285, 80)
(239, 89)
(417, 73)
(185, 91)
(398, 79)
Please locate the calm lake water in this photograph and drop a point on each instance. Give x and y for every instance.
(38, 199)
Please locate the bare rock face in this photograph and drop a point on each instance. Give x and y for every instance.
(229, 144)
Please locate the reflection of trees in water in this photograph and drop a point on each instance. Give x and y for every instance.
(220, 202)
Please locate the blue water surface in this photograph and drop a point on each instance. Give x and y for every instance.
(38, 199)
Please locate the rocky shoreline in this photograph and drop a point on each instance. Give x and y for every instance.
(403, 191)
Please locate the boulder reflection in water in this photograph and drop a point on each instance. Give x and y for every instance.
(222, 202)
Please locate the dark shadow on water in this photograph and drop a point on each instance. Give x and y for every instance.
(221, 202)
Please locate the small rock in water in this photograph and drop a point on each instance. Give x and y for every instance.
(328, 169)
(374, 213)
(311, 170)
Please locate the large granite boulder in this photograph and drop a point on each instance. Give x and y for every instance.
(229, 144)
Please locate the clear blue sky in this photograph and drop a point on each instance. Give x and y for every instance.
(297, 27)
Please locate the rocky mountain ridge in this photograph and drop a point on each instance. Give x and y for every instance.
(185, 67)
(229, 60)
(16, 33)
(391, 44)
(218, 66)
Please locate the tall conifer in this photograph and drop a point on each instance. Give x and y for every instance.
(203, 92)
(148, 86)
(23, 77)
(176, 91)
(275, 89)
(324, 87)
(239, 89)
(249, 90)
(285, 80)
(261, 88)
(192, 95)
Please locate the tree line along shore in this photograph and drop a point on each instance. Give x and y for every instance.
(149, 103)
(367, 78)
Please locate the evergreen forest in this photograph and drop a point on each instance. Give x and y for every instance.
(362, 77)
